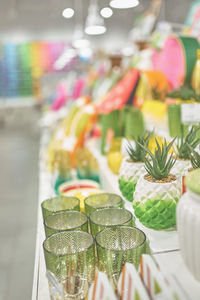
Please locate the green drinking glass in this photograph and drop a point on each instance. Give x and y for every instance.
(102, 200)
(108, 217)
(58, 204)
(117, 246)
(70, 262)
(64, 221)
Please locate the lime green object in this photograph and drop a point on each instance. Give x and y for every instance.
(110, 217)
(127, 187)
(71, 253)
(134, 122)
(156, 213)
(110, 121)
(174, 121)
(82, 123)
(117, 246)
(192, 181)
(127, 122)
(64, 221)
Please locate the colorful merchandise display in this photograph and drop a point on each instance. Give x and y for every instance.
(122, 154)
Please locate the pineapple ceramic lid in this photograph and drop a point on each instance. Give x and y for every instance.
(192, 181)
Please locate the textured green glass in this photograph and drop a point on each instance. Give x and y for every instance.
(64, 221)
(103, 200)
(156, 213)
(70, 256)
(108, 217)
(58, 204)
(118, 245)
(127, 187)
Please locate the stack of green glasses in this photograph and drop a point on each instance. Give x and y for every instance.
(69, 249)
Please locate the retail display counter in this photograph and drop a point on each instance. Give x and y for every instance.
(164, 244)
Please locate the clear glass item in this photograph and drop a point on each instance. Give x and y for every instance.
(58, 204)
(108, 217)
(117, 246)
(102, 200)
(64, 221)
(70, 257)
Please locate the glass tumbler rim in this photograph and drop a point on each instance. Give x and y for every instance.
(100, 195)
(121, 227)
(58, 196)
(69, 232)
(62, 212)
(107, 208)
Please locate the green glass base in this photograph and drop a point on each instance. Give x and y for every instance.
(156, 213)
(127, 188)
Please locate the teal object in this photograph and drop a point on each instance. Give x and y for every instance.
(59, 181)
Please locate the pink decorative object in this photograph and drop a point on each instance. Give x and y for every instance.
(78, 88)
(171, 62)
(61, 97)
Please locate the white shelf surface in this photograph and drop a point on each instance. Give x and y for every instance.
(164, 244)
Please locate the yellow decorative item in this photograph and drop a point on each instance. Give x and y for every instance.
(114, 160)
(195, 82)
(114, 156)
(155, 109)
(152, 143)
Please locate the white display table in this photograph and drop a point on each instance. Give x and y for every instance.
(164, 244)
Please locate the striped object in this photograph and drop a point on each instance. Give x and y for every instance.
(130, 286)
(101, 288)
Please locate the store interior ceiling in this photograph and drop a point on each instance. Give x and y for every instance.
(22, 20)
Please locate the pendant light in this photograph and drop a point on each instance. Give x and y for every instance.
(79, 41)
(122, 4)
(94, 24)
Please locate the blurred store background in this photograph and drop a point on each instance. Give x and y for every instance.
(49, 58)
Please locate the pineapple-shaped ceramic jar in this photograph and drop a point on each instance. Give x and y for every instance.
(132, 167)
(188, 223)
(157, 192)
(130, 172)
(185, 146)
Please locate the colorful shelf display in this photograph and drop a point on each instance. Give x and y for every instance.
(22, 64)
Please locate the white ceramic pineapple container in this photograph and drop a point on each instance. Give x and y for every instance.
(181, 167)
(188, 223)
(155, 202)
(129, 174)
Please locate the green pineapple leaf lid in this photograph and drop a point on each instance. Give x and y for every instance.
(192, 181)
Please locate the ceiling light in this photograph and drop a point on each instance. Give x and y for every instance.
(78, 38)
(106, 12)
(81, 43)
(124, 3)
(94, 24)
(95, 30)
(68, 13)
